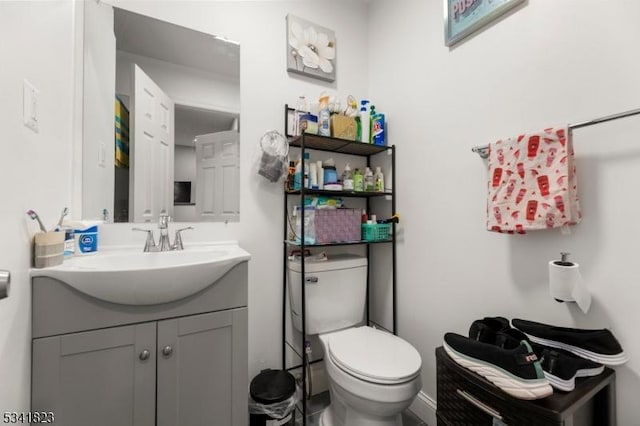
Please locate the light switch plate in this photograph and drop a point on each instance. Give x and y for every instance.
(30, 105)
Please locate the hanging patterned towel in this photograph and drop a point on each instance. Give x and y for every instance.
(532, 182)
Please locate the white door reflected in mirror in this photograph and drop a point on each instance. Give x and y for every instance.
(153, 133)
(148, 173)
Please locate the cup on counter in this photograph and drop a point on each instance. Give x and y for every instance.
(48, 249)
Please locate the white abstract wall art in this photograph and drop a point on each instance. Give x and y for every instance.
(311, 49)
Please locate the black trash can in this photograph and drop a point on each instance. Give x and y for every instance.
(273, 399)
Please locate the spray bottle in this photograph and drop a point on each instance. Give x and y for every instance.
(377, 127)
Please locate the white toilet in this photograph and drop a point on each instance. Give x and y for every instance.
(373, 375)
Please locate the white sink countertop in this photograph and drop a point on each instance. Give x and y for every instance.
(126, 275)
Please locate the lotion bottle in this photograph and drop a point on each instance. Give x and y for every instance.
(358, 184)
(379, 180)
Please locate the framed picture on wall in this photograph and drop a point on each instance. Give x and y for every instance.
(464, 17)
(311, 49)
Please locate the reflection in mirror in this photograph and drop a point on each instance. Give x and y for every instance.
(176, 144)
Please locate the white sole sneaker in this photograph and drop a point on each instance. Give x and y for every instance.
(509, 383)
(617, 359)
(570, 384)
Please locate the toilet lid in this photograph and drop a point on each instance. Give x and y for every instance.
(374, 355)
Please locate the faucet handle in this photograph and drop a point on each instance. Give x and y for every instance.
(177, 241)
(150, 243)
(163, 222)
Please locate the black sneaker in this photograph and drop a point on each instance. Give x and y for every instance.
(562, 368)
(596, 345)
(516, 370)
(485, 330)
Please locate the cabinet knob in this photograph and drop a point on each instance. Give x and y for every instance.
(144, 355)
(167, 351)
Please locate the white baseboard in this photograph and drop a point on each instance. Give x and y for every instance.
(425, 408)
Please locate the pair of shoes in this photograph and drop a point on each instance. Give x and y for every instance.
(562, 368)
(494, 351)
(599, 346)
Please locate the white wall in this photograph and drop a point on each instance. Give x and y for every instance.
(548, 63)
(34, 167)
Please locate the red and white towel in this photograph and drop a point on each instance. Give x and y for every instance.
(532, 182)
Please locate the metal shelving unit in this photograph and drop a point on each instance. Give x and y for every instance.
(322, 143)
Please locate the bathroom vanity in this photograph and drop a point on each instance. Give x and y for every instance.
(101, 363)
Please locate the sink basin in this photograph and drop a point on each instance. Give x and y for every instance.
(128, 276)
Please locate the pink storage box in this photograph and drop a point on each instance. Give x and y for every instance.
(337, 225)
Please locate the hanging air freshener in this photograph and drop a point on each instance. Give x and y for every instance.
(274, 149)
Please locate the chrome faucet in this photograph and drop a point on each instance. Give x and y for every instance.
(163, 226)
(177, 240)
(150, 243)
(164, 243)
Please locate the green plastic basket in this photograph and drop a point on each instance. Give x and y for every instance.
(376, 231)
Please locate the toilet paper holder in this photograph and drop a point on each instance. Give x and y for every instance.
(564, 259)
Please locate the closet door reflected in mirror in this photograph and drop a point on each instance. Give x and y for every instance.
(139, 133)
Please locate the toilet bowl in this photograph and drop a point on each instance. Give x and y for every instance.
(373, 376)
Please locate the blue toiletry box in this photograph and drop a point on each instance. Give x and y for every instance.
(86, 240)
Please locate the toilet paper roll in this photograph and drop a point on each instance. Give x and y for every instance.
(566, 284)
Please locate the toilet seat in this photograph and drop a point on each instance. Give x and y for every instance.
(374, 355)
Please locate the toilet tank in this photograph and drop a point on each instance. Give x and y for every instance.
(335, 290)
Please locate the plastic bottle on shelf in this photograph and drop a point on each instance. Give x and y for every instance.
(301, 109)
(324, 118)
(313, 175)
(377, 127)
(297, 177)
(358, 181)
(291, 176)
(320, 172)
(307, 182)
(369, 180)
(379, 180)
(347, 179)
(365, 124)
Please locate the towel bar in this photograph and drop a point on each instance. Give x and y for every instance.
(483, 151)
(5, 278)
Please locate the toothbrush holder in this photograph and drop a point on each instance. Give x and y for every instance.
(48, 249)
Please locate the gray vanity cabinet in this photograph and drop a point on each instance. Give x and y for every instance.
(197, 369)
(76, 376)
(179, 364)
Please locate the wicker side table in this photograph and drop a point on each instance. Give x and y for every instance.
(467, 399)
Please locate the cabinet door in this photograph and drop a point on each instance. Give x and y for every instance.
(98, 378)
(202, 370)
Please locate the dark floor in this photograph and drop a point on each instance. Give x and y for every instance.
(320, 401)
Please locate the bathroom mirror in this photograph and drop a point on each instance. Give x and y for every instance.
(161, 110)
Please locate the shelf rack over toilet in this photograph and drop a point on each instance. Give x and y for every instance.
(329, 144)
